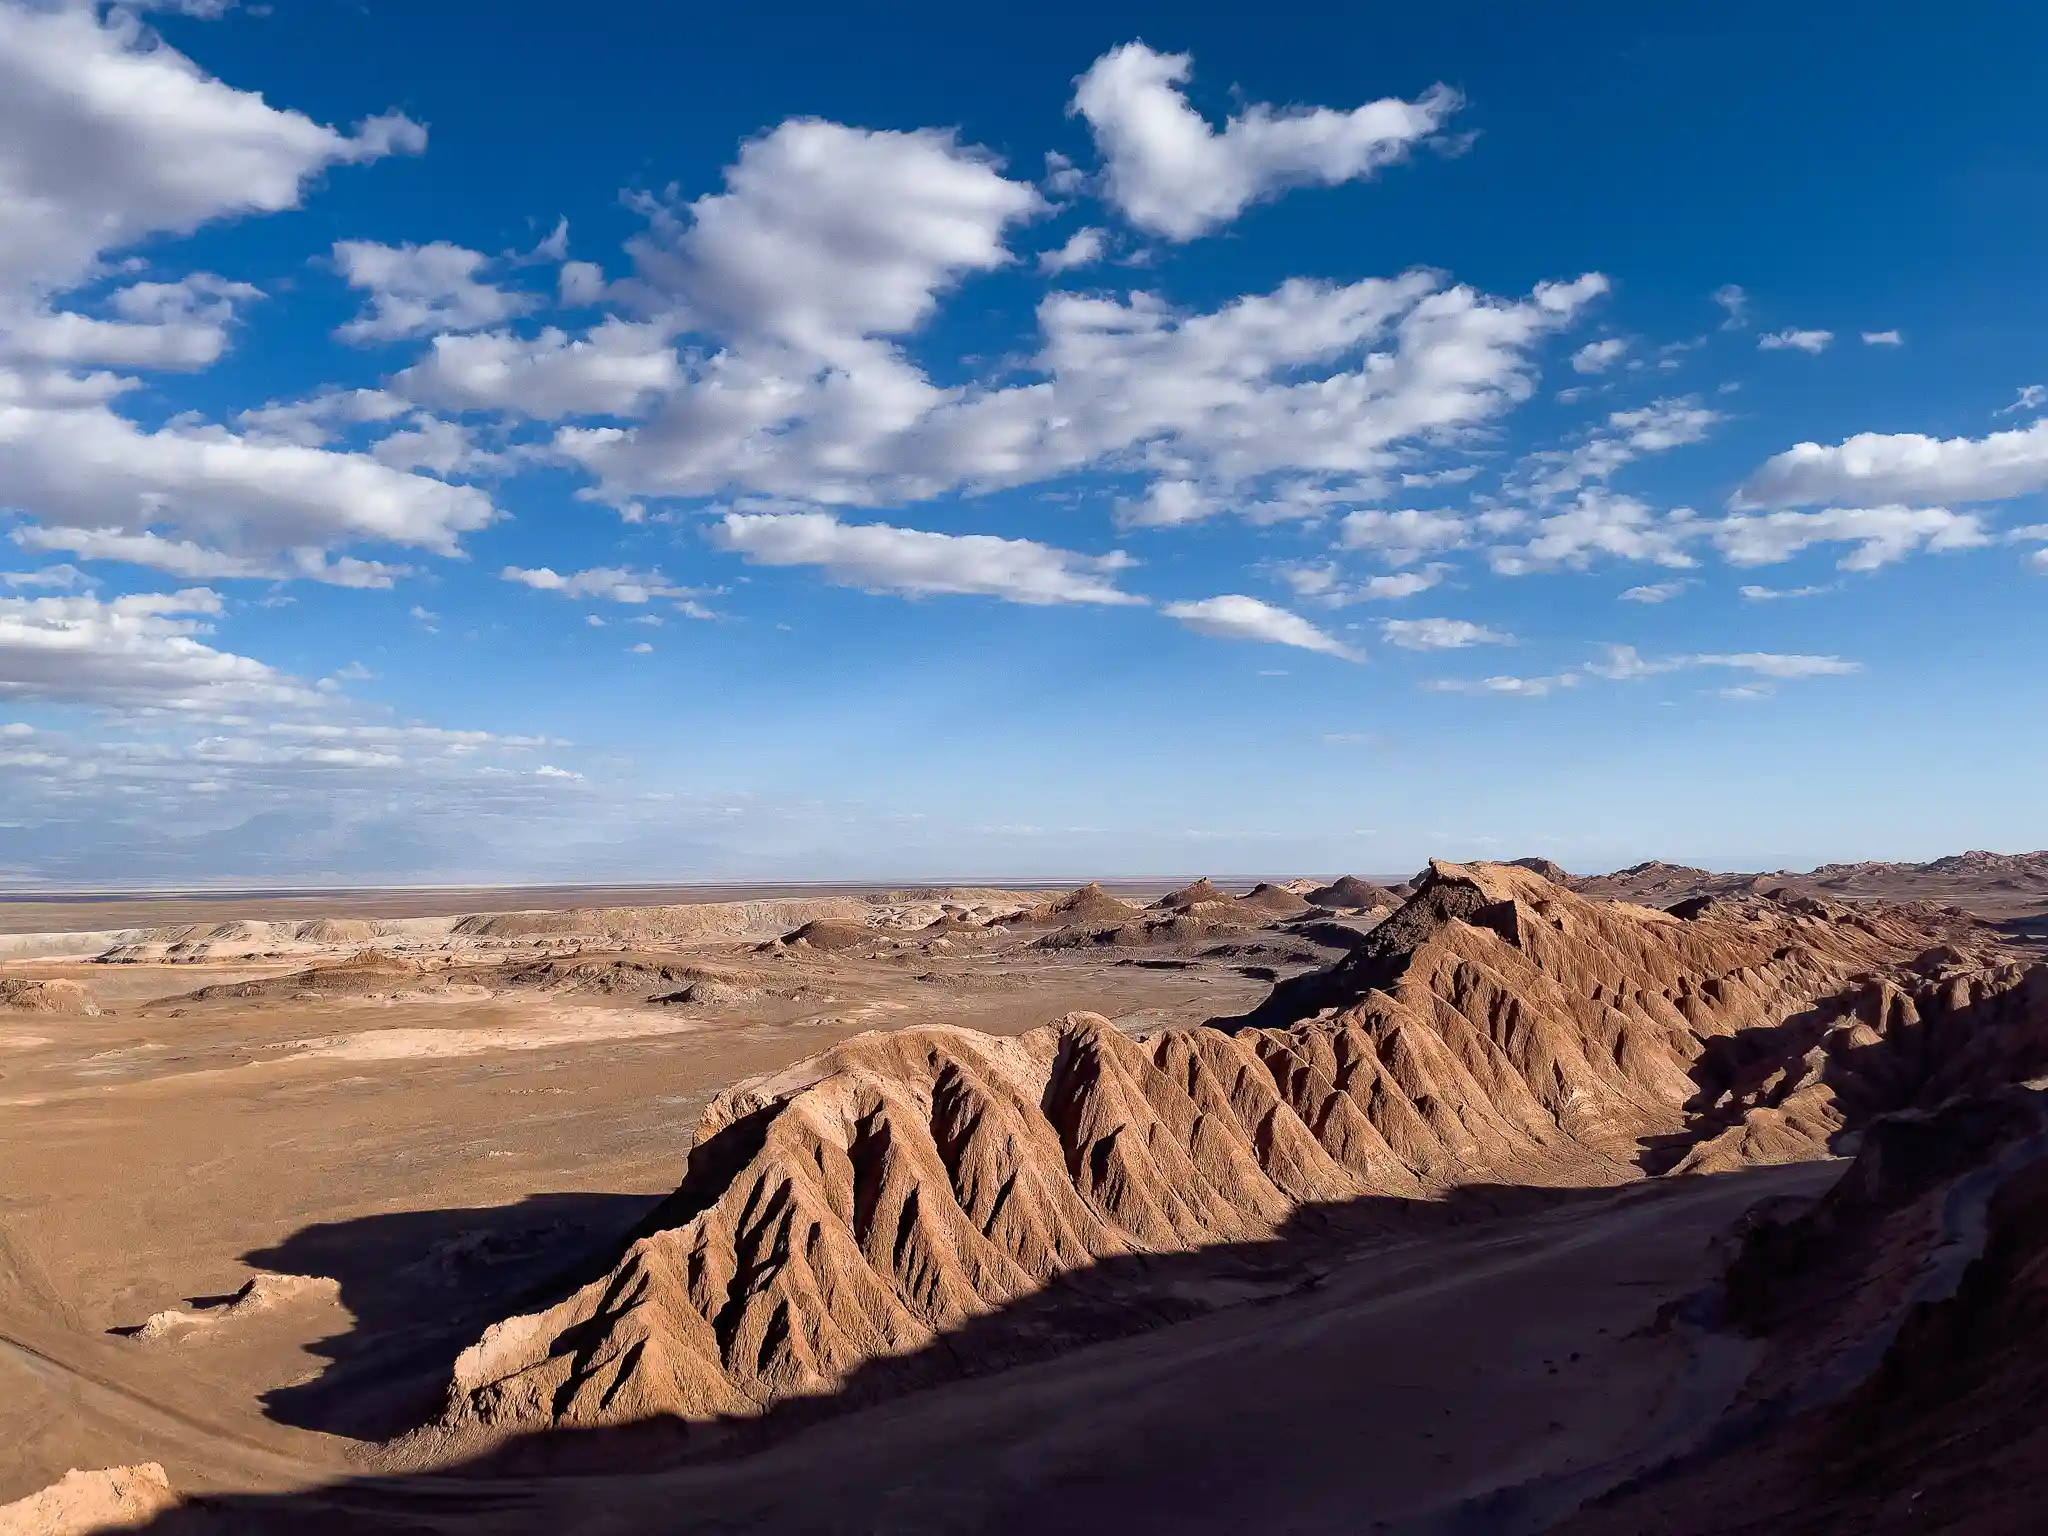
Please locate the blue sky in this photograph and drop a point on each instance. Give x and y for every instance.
(470, 442)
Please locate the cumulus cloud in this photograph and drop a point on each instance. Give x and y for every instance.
(321, 418)
(84, 467)
(1326, 585)
(1883, 339)
(1264, 402)
(1599, 356)
(1880, 535)
(1235, 617)
(879, 558)
(1403, 535)
(827, 235)
(1810, 342)
(139, 650)
(616, 368)
(580, 283)
(1734, 303)
(111, 136)
(1655, 592)
(176, 326)
(1440, 634)
(1170, 173)
(609, 583)
(417, 289)
(1597, 522)
(194, 562)
(2031, 397)
(1622, 439)
(1083, 248)
(1903, 467)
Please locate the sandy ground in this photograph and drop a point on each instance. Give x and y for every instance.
(431, 1157)
(39, 912)
(1470, 1382)
(434, 1155)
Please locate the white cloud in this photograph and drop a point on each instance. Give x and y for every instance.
(1170, 173)
(322, 418)
(1235, 617)
(417, 289)
(1440, 634)
(642, 649)
(617, 368)
(1598, 522)
(138, 651)
(1883, 339)
(1505, 686)
(1770, 664)
(2031, 397)
(1881, 534)
(1599, 356)
(1655, 592)
(581, 283)
(181, 557)
(827, 235)
(1624, 663)
(107, 136)
(85, 467)
(62, 578)
(1168, 504)
(1903, 467)
(610, 583)
(178, 326)
(2039, 561)
(881, 558)
(1308, 384)
(1083, 248)
(1734, 304)
(201, 10)
(1622, 439)
(1404, 535)
(428, 442)
(1774, 594)
(1325, 584)
(1809, 342)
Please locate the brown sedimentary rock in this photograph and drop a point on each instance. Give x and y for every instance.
(1497, 1028)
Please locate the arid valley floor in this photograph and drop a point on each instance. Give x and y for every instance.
(1493, 1200)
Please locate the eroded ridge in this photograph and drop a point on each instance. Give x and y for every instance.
(863, 1203)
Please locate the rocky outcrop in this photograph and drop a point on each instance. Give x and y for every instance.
(71, 998)
(80, 1502)
(865, 1203)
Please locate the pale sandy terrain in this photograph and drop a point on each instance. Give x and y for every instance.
(432, 1152)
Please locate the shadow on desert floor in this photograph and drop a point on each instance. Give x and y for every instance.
(1376, 1359)
(420, 1286)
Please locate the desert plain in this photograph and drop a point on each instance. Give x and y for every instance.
(1488, 1199)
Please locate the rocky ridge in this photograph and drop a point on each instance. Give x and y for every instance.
(862, 1204)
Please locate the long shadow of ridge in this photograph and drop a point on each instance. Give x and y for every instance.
(754, 1473)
